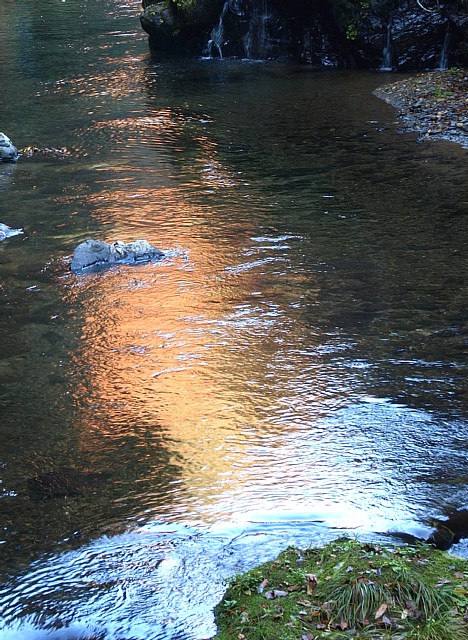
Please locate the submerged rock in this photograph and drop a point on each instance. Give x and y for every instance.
(8, 232)
(8, 151)
(62, 483)
(45, 152)
(94, 255)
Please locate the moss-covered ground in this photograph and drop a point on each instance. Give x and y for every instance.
(349, 589)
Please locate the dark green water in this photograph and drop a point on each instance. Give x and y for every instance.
(295, 366)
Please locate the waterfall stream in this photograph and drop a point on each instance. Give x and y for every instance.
(443, 59)
(387, 59)
(215, 43)
(243, 33)
(256, 39)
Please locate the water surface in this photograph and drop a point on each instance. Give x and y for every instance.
(294, 368)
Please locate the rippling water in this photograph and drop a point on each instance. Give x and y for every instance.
(293, 368)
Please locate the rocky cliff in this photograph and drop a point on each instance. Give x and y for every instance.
(403, 35)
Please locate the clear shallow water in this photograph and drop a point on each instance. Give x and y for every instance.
(295, 366)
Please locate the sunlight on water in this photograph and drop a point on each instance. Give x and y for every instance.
(294, 368)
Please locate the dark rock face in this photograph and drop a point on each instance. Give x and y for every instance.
(8, 151)
(404, 35)
(95, 255)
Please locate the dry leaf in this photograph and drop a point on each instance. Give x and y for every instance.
(311, 583)
(275, 593)
(244, 617)
(381, 610)
(262, 586)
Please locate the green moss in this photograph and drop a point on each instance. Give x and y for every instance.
(345, 589)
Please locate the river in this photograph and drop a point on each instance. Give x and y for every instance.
(293, 369)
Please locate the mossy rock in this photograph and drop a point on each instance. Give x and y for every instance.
(349, 589)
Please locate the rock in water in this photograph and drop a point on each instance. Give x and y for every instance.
(450, 531)
(7, 232)
(63, 482)
(8, 151)
(94, 255)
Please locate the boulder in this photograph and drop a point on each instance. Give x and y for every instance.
(8, 151)
(450, 531)
(7, 232)
(94, 255)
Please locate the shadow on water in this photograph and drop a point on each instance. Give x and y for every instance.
(294, 368)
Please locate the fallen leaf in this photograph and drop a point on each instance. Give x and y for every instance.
(386, 621)
(275, 593)
(380, 611)
(311, 583)
(304, 603)
(410, 605)
(262, 586)
(343, 625)
(442, 582)
(308, 636)
(348, 569)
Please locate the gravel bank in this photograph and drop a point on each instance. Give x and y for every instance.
(434, 104)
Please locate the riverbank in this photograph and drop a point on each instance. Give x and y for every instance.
(435, 104)
(349, 589)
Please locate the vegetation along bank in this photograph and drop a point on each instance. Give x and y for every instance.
(349, 589)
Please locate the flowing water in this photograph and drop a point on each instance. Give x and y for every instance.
(295, 367)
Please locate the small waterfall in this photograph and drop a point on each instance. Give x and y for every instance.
(255, 40)
(230, 33)
(387, 52)
(216, 40)
(443, 59)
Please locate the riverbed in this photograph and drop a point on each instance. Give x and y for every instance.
(294, 368)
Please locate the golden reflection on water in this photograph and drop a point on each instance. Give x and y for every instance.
(190, 350)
